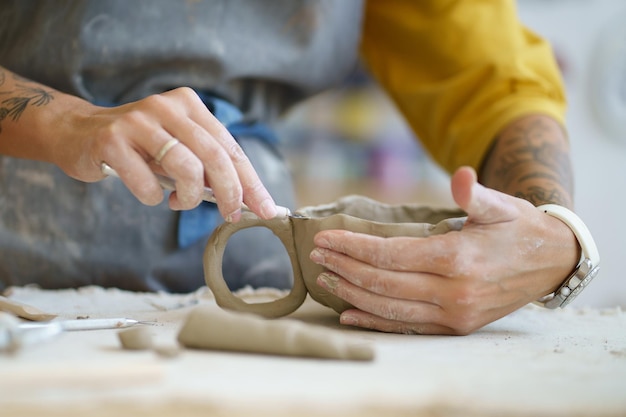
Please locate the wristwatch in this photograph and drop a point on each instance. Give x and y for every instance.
(587, 267)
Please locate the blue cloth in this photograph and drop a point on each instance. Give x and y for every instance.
(199, 223)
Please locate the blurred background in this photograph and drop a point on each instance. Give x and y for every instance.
(352, 140)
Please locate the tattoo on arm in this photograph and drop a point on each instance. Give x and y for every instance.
(534, 161)
(14, 102)
(540, 195)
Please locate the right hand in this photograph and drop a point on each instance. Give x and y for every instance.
(128, 137)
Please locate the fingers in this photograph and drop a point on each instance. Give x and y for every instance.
(136, 175)
(128, 159)
(398, 309)
(367, 320)
(228, 170)
(398, 315)
(443, 255)
(396, 284)
(175, 134)
(401, 301)
(453, 283)
(483, 205)
(460, 309)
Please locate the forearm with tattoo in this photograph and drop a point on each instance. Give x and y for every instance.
(530, 160)
(35, 120)
(17, 95)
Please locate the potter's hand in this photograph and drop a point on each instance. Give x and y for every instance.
(507, 255)
(136, 140)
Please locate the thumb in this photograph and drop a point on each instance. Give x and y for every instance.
(482, 205)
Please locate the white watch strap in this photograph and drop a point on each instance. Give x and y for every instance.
(589, 263)
(587, 244)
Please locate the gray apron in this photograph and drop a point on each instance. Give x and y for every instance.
(263, 56)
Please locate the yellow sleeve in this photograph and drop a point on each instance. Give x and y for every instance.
(459, 71)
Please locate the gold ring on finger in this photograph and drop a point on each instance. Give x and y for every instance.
(165, 149)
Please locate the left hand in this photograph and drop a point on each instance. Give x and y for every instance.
(507, 255)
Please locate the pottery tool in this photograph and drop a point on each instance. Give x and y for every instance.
(24, 310)
(14, 336)
(87, 324)
(168, 183)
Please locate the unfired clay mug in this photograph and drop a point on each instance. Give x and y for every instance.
(355, 213)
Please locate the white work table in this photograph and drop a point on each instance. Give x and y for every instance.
(534, 362)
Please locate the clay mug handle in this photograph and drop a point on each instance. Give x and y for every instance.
(214, 278)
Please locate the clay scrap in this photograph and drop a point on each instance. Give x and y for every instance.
(136, 338)
(24, 310)
(209, 327)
